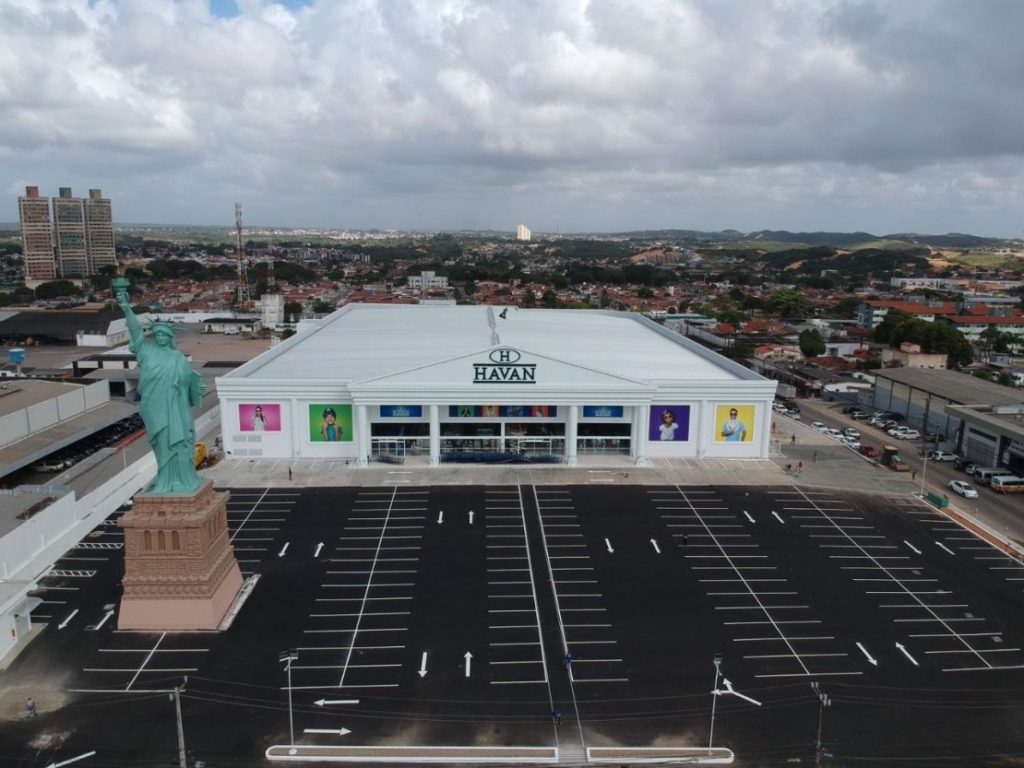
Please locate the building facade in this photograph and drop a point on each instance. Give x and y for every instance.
(482, 384)
(66, 236)
(36, 237)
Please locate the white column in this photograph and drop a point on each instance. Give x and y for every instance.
(638, 435)
(766, 429)
(435, 435)
(571, 428)
(363, 436)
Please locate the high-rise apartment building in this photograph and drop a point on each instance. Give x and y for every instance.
(99, 231)
(523, 232)
(36, 236)
(69, 234)
(79, 241)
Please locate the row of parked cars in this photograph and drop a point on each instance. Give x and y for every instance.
(70, 455)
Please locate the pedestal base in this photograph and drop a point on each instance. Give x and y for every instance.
(180, 571)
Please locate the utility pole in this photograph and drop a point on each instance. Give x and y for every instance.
(717, 660)
(242, 288)
(176, 696)
(823, 702)
(286, 658)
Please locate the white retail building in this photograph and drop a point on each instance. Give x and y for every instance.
(491, 384)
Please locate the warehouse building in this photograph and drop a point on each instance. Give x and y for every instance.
(442, 384)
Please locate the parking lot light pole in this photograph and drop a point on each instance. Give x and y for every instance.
(717, 660)
(924, 470)
(288, 657)
(823, 702)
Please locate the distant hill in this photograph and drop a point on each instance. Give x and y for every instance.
(833, 239)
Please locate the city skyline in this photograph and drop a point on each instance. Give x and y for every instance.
(605, 116)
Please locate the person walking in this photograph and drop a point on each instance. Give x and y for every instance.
(568, 660)
(793, 439)
(30, 707)
(556, 717)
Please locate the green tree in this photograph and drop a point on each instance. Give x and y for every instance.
(57, 288)
(605, 300)
(292, 308)
(549, 299)
(898, 327)
(811, 342)
(322, 307)
(529, 299)
(789, 302)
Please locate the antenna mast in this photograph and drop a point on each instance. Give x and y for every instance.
(243, 276)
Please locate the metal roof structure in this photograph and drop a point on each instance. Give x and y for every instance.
(956, 387)
(366, 341)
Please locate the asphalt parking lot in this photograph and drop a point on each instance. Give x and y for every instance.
(428, 618)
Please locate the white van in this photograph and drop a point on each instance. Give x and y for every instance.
(984, 475)
(1008, 484)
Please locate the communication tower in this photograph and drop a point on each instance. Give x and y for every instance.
(243, 274)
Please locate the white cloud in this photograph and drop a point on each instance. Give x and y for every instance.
(580, 114)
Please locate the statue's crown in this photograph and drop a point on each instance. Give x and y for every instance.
(166, 326)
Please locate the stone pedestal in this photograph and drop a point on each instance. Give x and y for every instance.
(180, 572)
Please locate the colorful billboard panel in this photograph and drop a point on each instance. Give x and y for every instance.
(401, 411)
(734, 423)
(259, 417)
(330, 423)
(602, 411)
(669, 423)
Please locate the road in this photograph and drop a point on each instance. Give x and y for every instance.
(1005, 512)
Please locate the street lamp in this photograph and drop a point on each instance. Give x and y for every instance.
(924, 469)
(823, 702)
(717, 660)
(287, 657)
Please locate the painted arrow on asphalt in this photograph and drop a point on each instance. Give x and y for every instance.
(105, 619)
(283, 549)
(915, 550)
(471, 517)
(440, 517)
(423, 665)
(469, 660)
(748, 515)
(609, 545)
(907, 654)
(654, 543)
(940, 545)
(69, 618)
(871, 659)
(319, 546)
(776, 516)
(322, 702)
(332, 731)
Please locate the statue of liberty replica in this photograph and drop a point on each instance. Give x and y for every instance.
(180, 572)
(169, 389)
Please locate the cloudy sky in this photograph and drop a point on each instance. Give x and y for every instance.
(565, 115)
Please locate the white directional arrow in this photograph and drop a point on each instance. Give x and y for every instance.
(319, 546)
(71, 760)
(654, 543)
(609, 545)
(871, 659)
(914, 549)
(69, 618)
(940, 545)
(283, 549)
(471, 517)
(440, 517)
(776, 516)
(106, 618)
(730, 691)
(423, 665)
(469, 660)
(321, 702)
(907, 654)
(332, 731)
(748, 515)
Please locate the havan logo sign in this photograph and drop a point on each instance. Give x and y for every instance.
(504, 368)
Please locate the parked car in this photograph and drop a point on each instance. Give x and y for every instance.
(964, 488)
(849, 442)
(851, 432)
(969, 468)
(893, 431)
(818, 426)
(943, 456)
(794, 413)
(779, 408)
(870, 451)
(858, 415)
(848, 409)
(908, 434)
(50, 465)
(835, 434)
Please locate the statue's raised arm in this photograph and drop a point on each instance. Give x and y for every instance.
(168, 388)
